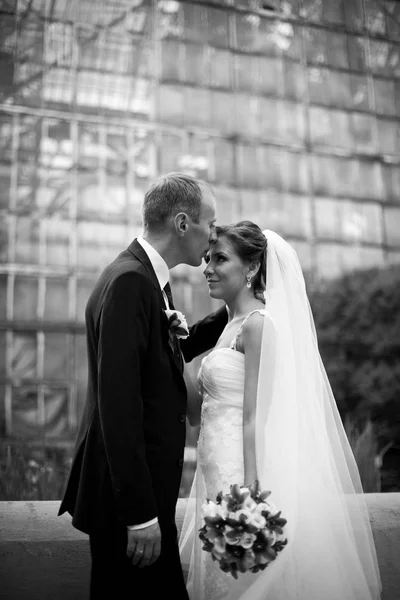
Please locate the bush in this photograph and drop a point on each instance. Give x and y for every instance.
(28, 473)
(358, 323)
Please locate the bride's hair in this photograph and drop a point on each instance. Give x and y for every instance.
(250, 244)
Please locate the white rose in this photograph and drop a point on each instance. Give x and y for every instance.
(270, 536)
(267, 506)
(247, 540)
(244, 513)
(223, 509)
(181, 330)
(272, 508)
(209, 509)
(257, 520)
(234, 540)
(250, 503)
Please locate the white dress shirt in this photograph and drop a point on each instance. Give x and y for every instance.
(159, 265)
(162, 273)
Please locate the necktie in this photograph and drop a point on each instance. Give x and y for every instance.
(168, 292)
(177, 350)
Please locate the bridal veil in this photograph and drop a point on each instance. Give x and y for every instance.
(303, 457)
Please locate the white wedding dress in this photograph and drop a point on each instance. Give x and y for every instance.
(220, 448)
(310, 568)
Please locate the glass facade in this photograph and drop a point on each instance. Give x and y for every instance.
(290, 109)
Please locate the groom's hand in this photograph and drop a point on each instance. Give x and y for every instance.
(144, 545)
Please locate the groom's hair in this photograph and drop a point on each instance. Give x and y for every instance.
(171, 194)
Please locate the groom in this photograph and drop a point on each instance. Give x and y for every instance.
(125, 476)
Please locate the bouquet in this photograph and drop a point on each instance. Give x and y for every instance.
(243, 530)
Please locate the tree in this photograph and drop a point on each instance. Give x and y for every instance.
(358, 323)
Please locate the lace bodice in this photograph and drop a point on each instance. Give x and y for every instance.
(220, 444)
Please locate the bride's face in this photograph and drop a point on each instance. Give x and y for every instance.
(225, 271)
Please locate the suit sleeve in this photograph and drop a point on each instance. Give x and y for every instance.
(204, 334)
(123, 339)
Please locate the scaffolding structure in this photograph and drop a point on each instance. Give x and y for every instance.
(290, 109)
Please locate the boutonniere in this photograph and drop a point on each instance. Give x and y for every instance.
(177, 325)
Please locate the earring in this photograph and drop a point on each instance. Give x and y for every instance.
(248, 277)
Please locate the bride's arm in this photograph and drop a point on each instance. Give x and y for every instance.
(194, 399)
(250, 340)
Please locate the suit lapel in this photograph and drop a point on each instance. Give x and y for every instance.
(138, 252)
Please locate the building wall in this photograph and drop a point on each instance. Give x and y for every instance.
(291, 114)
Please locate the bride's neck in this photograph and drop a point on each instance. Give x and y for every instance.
(240, 306)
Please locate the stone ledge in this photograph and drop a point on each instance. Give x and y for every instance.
(42, 557)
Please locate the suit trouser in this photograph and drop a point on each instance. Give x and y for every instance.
(114, 576)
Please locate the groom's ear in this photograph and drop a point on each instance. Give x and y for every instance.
(181, 223)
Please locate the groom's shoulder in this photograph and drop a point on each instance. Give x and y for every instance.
(125, 267)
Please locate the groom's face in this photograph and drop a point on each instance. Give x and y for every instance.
(201, 234)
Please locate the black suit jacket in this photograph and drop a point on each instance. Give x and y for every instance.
(129, 453)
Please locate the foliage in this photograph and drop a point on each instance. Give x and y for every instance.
(357, 319)
(32, 474)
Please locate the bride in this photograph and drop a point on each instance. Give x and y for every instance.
(267, 412)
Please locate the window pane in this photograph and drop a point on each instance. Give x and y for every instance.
(81, 372)
(362, 129)
(6, 137)
(392, 182)
(247, 73)
(195, 22)
(247, 115)
(56, 300)
(56, 421)
(384, 97)
(57, 242)
(27, 241)
(26, 420)
(359, 223)
(224, 162)
(218, 27)
(170, 104)
(325, 47)
(4, 240)
(389, 136)
(220, 62)
(228, 204)
(83, 292)
(294, 84)
(100, 243)
(24, 356)
(248, 166)
(196, 107)
(170, 152)
(55, 356)
(170, 60)
(25, 298)
(3, 369)
(329, 263)
(196, 65)
(347, 177)
(290, 215)
(3, 297)
(222, 111)
(330, 128)
(326, 218)
(392, 225)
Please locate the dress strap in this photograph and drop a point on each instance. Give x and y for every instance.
(239, 331)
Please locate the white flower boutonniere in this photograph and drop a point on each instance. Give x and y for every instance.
(177, 324)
